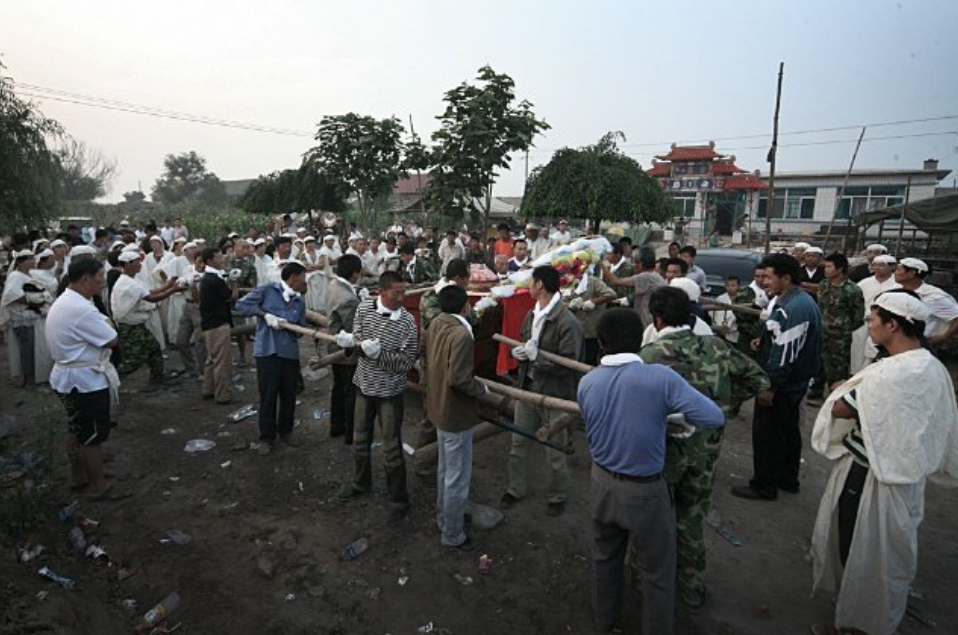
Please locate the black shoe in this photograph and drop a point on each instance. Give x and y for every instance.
(467, 546)
(747, 492)
(791, 489)
(336, 433)
(348, 492)
(695, 599)
(396, 514)
(555, 509)
(507, 501)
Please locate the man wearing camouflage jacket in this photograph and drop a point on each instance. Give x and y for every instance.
(842, 306)
(728, 377)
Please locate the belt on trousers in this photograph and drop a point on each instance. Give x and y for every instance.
(628, 477)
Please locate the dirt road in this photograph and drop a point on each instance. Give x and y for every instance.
(244, 513)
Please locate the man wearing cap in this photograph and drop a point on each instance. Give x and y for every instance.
(888, 430)
(942, 322)
(811, 272)
(798, 251)
(562, 235)
(863, 349)
(538, 244)
(282, 255)
(261, 260)
(60, 253)
(859, 272)
(134, 309)
(793, 344)
(842, 305)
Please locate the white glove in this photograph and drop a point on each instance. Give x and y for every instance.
(519, 352)
(485, 303)
(273, 321)
(588, 305)
(371, 348)
(236, 274)
(345, 339)
(576, 304)
(363, 293)
(532, 350)
(623, 301)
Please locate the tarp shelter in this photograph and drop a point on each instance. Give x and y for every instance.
(938, 214)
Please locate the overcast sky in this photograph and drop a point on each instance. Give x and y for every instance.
(658, 71)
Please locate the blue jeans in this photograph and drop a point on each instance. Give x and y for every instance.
(453, 474)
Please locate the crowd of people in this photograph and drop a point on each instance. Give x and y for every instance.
(671, 367)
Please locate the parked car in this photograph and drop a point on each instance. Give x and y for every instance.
(719, 264)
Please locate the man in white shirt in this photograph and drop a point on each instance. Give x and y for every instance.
(167, 233)
(942, 322)
(562, 235)
(538, 244)
(863, 350)
(451, 248)
(79, 338)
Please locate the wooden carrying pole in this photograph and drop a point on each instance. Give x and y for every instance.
(738, 308)
(546, 355)
(317, 318)
(543, 401)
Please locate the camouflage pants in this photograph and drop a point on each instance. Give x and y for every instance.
(689, 471)
(836, 356)
(139, 348)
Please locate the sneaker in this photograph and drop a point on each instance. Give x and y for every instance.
(748, 493)
(467, 546)
(555, 509)
(290, 440)
(396, 514)
(265, 448)
(507, 501)
(348, 492)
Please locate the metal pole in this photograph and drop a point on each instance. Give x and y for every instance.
(901, 220)
(773, 151)
(841, 192)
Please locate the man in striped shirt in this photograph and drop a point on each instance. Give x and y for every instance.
(386, 336)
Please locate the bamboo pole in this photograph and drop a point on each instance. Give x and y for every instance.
(328, 360)
(552, 357)
(302, 330)
(738, 308)
(772, 156)
(317, 318)
(841, 193)
(543, 401)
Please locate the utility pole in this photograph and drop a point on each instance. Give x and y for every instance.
(901, 220)
(773, 151)
(841, 193)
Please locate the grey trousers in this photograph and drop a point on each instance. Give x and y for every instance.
(626, 513)
(189, 340)
(530, 418)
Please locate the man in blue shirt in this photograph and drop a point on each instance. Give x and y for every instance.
(277, 351)
(631, 504)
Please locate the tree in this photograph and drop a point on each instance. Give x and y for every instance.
(597, 182)
(85, 173)
(135, 197)
(360, 155)
(186, 178)
(29, 170)
(479, 130)
(291, 191)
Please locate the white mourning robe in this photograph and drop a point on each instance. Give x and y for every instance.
(14, 313)
(863, 350)
(909, 423)
(129, 307)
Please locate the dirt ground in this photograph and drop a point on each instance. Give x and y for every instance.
(238, 507)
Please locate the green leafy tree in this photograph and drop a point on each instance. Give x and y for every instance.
(30, 191)
(361, 156)
(596, 182)
(481, 127)
(185, 178)
(291, 191)
(84, 172)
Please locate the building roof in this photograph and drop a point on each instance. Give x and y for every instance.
(411, 184)
(831, 174)
(660, 169)
(745, 182)
(726, 167)
(691, 153)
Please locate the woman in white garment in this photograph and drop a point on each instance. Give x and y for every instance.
(45, 271)
(23, 308)
(178, 267)
(156, 257)
(315, 263)
(889, 429)
(262, 260)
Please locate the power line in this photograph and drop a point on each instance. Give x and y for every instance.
(105, 104)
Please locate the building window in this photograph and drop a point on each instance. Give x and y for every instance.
(856, 200)
(685, 205)
(790, 203)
